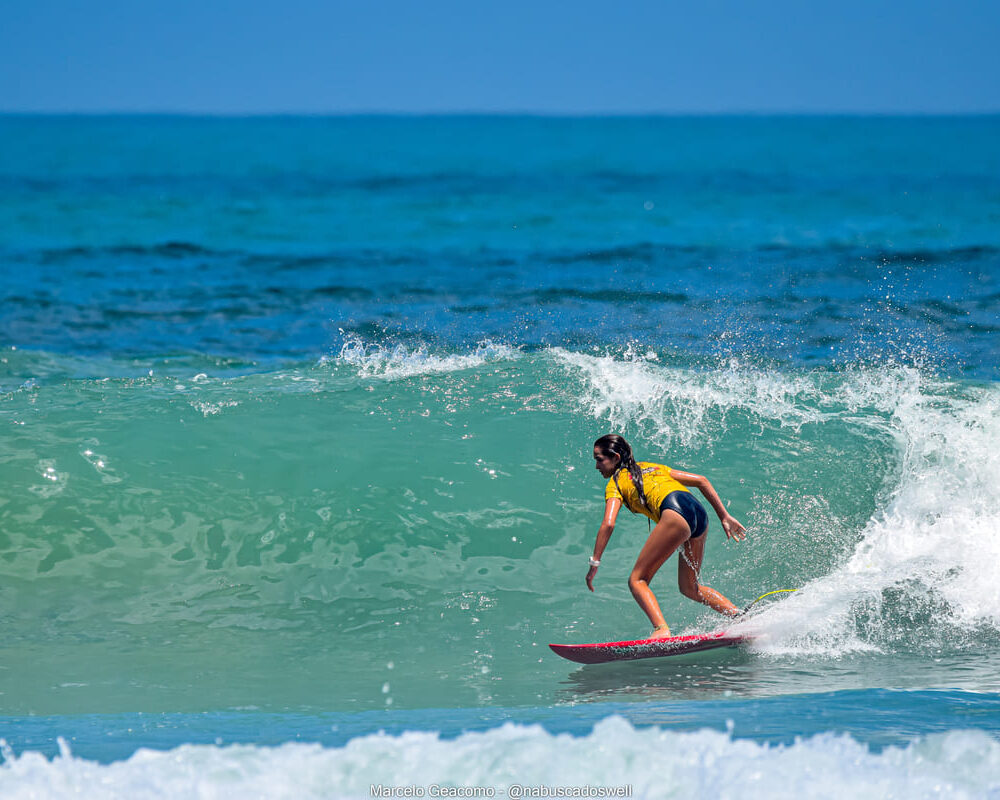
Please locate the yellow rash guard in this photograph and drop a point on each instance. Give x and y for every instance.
(656, 483)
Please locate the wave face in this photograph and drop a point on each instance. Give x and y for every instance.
(963, 764)
(411, 528)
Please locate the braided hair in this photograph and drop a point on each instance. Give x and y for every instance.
(613, 443)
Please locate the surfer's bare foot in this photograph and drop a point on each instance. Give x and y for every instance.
(662, 632)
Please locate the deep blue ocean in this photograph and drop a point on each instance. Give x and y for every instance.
(296, 480)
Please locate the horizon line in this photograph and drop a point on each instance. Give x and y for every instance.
(597, 114)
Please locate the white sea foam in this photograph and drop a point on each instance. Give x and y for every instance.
(655, 763)
(210, 409)
(374, 360)
(930, 552)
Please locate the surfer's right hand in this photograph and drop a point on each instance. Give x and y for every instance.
(590, 578)
(734, 530)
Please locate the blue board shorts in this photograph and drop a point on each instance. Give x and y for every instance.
(693, 512)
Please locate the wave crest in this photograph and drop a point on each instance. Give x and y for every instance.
(400, 361)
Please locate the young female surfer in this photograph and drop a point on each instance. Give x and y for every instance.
(680, 520)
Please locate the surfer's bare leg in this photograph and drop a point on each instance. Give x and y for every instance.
(667, 535)
(688, 569)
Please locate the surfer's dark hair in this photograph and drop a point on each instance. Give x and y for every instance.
(613, 444)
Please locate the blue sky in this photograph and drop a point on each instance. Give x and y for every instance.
(580, 57)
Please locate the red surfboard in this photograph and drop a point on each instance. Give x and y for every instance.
(601, 652)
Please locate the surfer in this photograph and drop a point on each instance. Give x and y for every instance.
(679, 521)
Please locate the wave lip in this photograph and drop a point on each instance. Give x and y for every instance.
(676, 403)
(502, 761)
(922, 576)
(374, 360)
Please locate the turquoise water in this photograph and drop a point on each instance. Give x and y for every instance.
(298, 422)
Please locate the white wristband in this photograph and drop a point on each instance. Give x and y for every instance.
(594, 562)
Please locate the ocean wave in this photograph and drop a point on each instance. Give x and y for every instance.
(922, 576)
(400, 361)
(637, 762)
(643, 251)
(386, 495)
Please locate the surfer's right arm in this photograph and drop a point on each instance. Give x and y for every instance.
(611, 509)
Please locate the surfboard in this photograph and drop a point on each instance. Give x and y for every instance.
(602, 652)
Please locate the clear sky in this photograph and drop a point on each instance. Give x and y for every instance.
(581, 57)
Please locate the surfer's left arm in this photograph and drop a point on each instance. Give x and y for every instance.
(734, 530)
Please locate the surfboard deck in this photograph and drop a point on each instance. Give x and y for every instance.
(602, 652)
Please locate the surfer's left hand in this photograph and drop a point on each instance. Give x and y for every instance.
(590, 578)
(734, 530)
